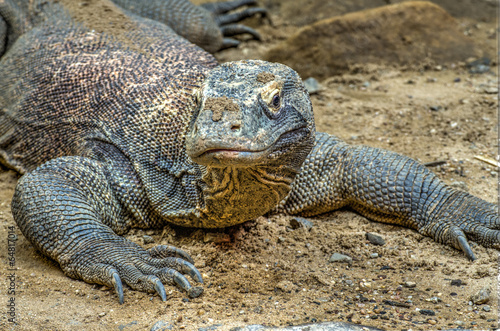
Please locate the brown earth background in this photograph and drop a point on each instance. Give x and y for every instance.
(269, 272)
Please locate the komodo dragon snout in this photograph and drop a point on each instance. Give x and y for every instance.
(251, 113)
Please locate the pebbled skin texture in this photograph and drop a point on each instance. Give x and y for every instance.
(134, 126)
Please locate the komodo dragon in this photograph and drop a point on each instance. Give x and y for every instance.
(123, 123)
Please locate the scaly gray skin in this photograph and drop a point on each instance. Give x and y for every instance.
(117, 129)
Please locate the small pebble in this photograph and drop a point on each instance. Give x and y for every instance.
(479, 66)
(373, 255)
(432, 322)
(337, 257)
(410, 284)
(375, 239)
(298, 222)
(427, 312)
(434, 300)
(490, 90)
(482, 296)
(486, 308)
(456, 282)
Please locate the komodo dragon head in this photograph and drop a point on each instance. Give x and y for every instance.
(251, 113)
(254, 118)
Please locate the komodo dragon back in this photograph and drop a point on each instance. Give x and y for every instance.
(65, 83)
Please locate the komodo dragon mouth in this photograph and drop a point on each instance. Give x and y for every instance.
(240, 156)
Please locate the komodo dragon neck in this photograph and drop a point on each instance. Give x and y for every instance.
(235, 195)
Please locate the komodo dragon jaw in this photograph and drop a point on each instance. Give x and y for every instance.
(251, 113)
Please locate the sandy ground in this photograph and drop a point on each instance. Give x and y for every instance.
(267, 272)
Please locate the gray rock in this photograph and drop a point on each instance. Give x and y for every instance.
(300, 222)
(486, 308)
(375, 239)
(373, 255)
(427, 312)
(490, 90)
(122, 327)
(210, 328)
(410, 284)
(161, 326)
(482, 296)
(479, 66)
(312, 85)
(337, 257)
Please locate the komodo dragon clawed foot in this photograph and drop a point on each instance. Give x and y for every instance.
(226, 20)
(465, 217)
(113, 260)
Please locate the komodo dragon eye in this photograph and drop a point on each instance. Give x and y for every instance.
(271, 94)
(276, 101)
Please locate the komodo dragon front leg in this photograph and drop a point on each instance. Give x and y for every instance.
(388, 187)
(69, 210)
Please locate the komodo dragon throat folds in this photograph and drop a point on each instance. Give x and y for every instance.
(124, 123)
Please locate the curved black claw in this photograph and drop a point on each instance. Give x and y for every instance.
(163, 251)
(228, 43)
(191, 270)
(464, 245)
(160, 289)
(168, 275)
(239, 16)
(117, 284)
(235, 29)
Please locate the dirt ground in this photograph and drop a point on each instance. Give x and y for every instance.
(269, 272)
